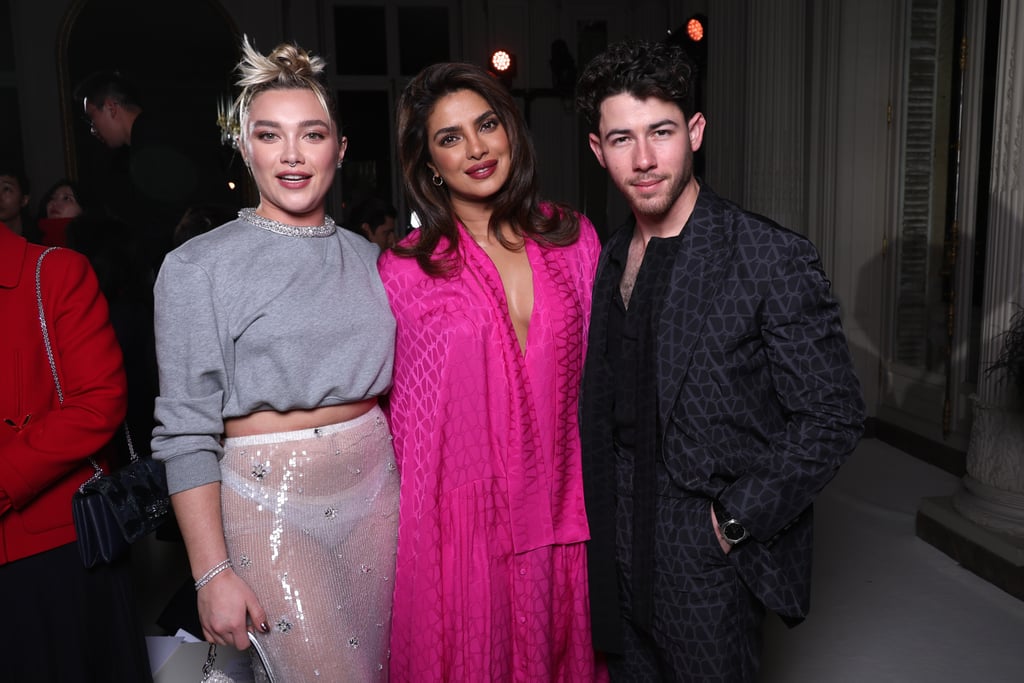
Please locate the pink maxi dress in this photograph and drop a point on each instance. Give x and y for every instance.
(491, 577)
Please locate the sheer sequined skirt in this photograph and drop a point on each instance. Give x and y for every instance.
(311, 521)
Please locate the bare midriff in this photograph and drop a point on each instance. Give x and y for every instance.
(270, 422)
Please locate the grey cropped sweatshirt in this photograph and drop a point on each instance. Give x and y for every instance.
(248, 320)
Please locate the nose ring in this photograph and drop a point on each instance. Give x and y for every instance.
(292, 163)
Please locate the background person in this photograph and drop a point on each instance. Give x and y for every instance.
(127, 285)
(273, 343)
(58, 206)
(491, 297)
(155, 172)
(15, 193)
(719, 395)
(66, 623)
(199, 219)
(374, 218)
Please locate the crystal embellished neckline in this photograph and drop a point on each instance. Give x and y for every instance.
(326, 230)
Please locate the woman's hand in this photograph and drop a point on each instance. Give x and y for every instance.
(227, 608)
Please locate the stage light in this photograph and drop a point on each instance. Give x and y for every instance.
(695, 29)
(503, 66)
(692, 36)
(501, 61)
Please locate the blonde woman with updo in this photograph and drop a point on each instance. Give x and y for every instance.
(274, 341)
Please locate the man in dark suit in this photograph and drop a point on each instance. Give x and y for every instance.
(159, 166)
(719, 395)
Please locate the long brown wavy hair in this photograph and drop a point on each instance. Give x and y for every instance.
(516, 203)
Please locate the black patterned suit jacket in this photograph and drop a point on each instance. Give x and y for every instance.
(758, 404)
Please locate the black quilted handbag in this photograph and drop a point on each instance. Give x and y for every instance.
(111, 511)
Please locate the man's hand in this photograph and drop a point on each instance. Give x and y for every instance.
(718, 534)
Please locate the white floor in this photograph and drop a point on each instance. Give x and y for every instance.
(886, 606)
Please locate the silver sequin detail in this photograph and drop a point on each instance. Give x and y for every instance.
(245, 561)
(365, 568)
(259, 470)
(353, 642)
(328, 228)
(283, 625)
(331, 513)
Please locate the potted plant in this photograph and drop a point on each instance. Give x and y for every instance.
(992, 492)
(1009, 365)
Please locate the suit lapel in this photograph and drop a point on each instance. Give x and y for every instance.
(696, 276)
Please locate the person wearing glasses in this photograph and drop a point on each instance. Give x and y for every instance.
(158, 168)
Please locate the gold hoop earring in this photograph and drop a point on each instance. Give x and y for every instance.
(437, 180)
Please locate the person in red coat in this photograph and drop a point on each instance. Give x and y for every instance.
(65, 623)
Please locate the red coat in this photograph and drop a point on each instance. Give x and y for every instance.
(43, 445)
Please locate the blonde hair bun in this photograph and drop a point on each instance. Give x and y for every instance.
(287, 67)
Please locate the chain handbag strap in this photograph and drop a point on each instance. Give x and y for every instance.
(263, 673)
(211, 659)
(97, 471)
(42, 324)
(211, 674)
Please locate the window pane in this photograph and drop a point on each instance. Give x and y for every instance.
(422, 37)
(360, 37)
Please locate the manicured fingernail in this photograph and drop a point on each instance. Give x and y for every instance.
(264, 628)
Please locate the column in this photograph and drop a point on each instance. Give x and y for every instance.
(992, 493)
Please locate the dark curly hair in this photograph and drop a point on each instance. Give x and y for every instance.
(641, 69)
(517, 202)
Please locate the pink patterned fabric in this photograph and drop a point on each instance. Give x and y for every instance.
(491, 582)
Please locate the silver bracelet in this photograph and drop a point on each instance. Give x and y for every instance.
(208, 576)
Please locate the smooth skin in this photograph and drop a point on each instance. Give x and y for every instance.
(292, 149)
(470, 150)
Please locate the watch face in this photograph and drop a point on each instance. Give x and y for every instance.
(733, 531)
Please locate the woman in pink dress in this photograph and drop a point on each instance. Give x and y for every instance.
(492, 300)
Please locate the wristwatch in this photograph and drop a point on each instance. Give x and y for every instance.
(732, 531)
